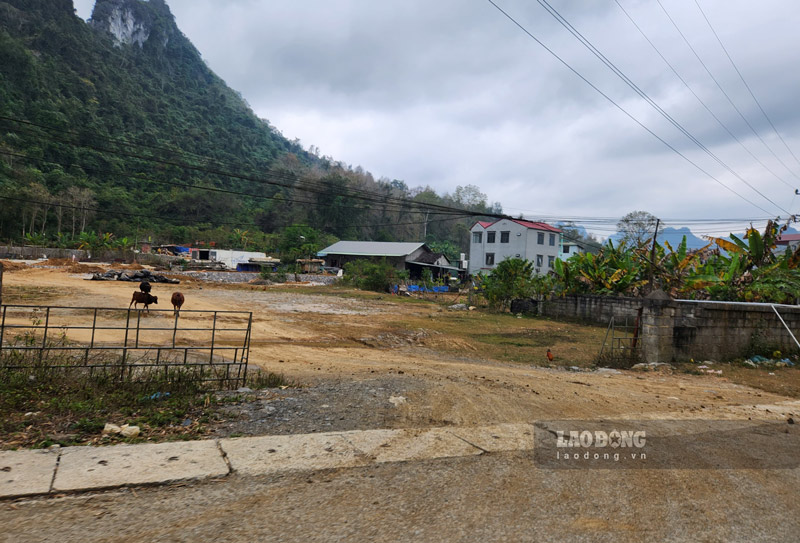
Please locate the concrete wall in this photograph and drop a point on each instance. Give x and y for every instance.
(718, 331)
(675, 330)
(35, 253)
(596, 309)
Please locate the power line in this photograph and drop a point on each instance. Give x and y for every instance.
(702, 102)
(597, 53)
(623, 110)
(314, 186)
(735, 67)
(102, 211)
(719, 86)
(141, 177)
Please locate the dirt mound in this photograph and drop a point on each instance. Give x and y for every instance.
(55, 262)
(10, 266)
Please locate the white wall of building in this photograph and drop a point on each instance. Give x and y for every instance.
(511, 240)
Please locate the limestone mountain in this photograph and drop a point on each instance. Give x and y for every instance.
(118, 125)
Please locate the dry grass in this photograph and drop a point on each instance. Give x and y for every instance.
(507, 338)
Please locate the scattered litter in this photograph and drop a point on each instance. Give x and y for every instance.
(777, 361)
(458, 307)
(129, 431)
(159, 395)
(397, 400)
(244, 389)
(111, 429)
(125, 430)
(187, 422)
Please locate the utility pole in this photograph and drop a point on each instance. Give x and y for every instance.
(653, 254)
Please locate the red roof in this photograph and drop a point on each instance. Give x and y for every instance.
(484, 224)
(526, 224)
(537, 225)
(787, 238)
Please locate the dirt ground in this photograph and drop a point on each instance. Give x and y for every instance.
(370, 361)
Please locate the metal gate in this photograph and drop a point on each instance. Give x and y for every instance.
(622, 346)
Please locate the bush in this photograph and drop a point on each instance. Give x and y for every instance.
(275, 277)
(513, 278)
(371, 275)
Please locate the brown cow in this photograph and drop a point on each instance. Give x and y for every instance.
(143, 298)
(177, 302)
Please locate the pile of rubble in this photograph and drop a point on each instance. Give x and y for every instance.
(135, 276)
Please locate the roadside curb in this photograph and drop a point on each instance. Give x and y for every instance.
(80, 469)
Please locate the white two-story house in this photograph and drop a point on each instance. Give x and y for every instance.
(493, 242)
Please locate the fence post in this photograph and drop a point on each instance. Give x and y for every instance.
(213, 335)
(44, 335)
(246, 350)
(1, 284)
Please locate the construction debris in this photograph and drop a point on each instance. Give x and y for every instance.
(136, 276)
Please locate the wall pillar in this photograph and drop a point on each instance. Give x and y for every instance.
(658, 322)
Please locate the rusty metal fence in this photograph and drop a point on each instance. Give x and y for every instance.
(129, 344)
(622, 347)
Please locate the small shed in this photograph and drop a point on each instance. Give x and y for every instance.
(411, 256)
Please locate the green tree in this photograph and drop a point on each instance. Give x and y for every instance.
(637, 227)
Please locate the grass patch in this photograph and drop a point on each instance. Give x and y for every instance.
(25, 295)
(257, 379)
(40, 407)
(507, 338)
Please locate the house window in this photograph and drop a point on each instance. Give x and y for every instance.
(552, 240)
(490, 237)
(541, 238)
(539, 261)
(490, 259)
(550, 261)
(476, 237)
(504, 237)
(566, 249)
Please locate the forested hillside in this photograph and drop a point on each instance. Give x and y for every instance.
(117, 130)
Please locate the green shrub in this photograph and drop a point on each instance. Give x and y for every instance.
(370, 275)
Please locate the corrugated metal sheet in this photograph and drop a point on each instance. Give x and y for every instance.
(371, 248)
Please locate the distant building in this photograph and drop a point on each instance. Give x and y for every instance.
(493, 242)
(788, 240)
(413, 257)
(230, 258)
(571, 247)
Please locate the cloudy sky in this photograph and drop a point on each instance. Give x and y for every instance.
(453, 92)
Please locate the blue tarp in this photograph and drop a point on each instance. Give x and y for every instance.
(417, 288)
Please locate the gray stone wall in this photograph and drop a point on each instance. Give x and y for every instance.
(596, 309)
(246, 277)
(723, 331)
(674, 330)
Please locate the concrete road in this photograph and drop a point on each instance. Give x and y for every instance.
(491, 497)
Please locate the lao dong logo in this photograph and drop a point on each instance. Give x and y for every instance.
(614, 445)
